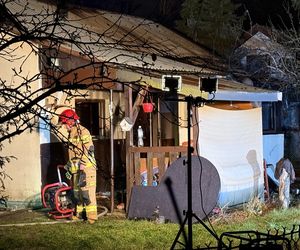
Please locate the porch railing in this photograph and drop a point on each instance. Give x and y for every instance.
(147, 161)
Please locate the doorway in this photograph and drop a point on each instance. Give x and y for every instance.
(92, 116)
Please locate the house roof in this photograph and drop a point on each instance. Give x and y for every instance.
(142, 45)
(122, 40)
(259, 41)
(256, 28)
(168, 47)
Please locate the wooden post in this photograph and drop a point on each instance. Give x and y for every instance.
(267, 191)
(137, 103)
(131, 112)
(128, 144)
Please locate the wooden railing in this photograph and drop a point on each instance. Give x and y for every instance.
(144, 160)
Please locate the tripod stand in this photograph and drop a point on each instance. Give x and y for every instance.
(189, 214)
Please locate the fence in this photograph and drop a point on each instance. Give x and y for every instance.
(144, 162)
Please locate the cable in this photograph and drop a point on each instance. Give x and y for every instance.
(200, 175)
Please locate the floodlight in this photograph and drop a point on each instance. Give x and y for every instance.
(209, 84)
(171, 83)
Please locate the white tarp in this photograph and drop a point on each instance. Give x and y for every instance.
(232, 141)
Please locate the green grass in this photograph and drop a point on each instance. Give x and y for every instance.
(112, 232)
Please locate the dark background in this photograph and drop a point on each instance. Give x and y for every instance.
(260, 11)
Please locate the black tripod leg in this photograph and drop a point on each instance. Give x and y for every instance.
(168, 182)
(206, 227)
(181, 230)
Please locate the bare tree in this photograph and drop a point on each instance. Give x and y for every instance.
(68, 42)
(271, 58)
(66, 45)
(296, 4)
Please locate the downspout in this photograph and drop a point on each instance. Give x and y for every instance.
(112, 182)
(158, 123)
(151, 142)
(44, 131)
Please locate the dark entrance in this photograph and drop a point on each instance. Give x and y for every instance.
(92, 116)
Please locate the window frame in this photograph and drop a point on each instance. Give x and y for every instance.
(271, 111)
(101, 126)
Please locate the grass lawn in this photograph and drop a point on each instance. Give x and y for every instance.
(116, 232)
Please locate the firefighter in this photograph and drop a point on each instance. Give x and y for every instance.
(81, 166)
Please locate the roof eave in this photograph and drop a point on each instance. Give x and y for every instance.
(247, 96)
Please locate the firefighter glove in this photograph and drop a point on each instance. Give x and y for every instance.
(68, 175)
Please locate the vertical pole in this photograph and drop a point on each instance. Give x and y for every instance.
(150, 120)
(112, 182)
(189, 177)
(158, 123)
(128, 143)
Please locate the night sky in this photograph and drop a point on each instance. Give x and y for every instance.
(261, 11)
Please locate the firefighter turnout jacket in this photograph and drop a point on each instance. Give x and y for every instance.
(82, 168)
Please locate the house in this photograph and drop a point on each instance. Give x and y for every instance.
(133, 59)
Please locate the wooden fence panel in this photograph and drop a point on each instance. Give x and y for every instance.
(143, 160)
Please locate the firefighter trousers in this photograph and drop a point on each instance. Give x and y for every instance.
(84, 185)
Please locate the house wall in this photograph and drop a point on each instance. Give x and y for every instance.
(183, 133)
(54, 152)
(62, 100)
(167, 126)
(24, 185)
(35, 163)
(273, 146)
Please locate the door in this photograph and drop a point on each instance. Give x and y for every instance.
(92, 116)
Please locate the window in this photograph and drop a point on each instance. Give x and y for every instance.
(49, 59)
(271, 117)
(92, 116)
(169, 123)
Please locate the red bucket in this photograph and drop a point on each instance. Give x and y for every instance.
(148, 107)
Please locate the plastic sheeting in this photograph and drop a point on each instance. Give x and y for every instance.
(232, 141)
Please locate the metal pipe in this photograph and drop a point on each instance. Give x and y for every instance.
(158, 123)
(150, 130)
(112, 183)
